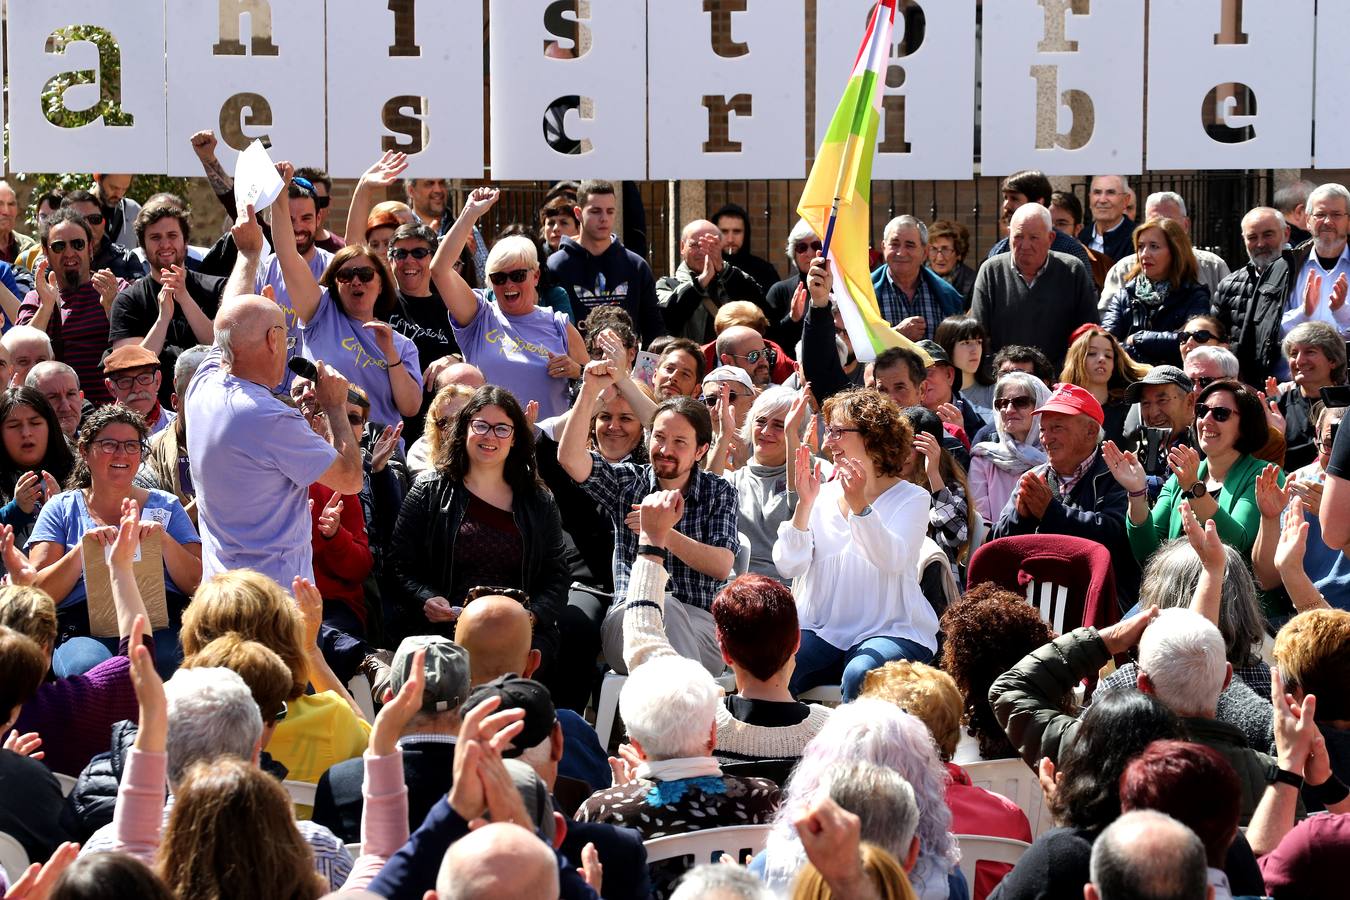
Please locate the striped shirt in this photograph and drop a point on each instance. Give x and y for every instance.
(79, 335)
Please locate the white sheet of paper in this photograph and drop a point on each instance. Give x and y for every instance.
(255, 179)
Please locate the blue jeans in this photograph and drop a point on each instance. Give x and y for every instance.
(80, 654)
(820, 662)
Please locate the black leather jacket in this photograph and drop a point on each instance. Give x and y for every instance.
(423, 549)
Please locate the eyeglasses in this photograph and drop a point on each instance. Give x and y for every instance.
(404, 252)
(1327, 216)
(281, 714)
(1203, 381)
(1003, 403)
(941, 251)
(516, 276)
(110, 446)
(125, 382)
(834, 432)
(1203, 336)
(76, 244)
(803, 246)
(355, 420)
(1220, 414)
(94, 218)
(321, 202)
(502, 430)
(732, 397)
(754, 356)
(366, 274)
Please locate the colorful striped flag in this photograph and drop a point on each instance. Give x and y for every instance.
(837, 193)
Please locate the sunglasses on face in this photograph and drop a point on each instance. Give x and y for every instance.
(76, 244)
(1220, 414)
(1202, 381)
(404, 252)
(515, 276)
(1202, 336)
(365, 274)
(481, 427)
(1003, 403)
(732, 397)
(754, 356)
(803, 246)
(281, 714)
(94, 218)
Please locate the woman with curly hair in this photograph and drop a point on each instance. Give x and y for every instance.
(1098, 363)
(986, 633)
(877, 732)
(853, 546)
(482, 517)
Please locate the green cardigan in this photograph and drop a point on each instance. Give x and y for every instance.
(1236, 519)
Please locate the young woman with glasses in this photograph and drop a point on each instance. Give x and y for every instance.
(1230, 426)
(482, 517)
(995, 466)
(531, 351)
(111, 445)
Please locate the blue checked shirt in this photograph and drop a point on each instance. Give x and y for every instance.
(710, 511)
(896, 307)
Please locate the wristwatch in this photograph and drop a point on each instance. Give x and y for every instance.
(652, 550)
(1195, 492)
(1274, 774)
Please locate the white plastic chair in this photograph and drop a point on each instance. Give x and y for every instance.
(977, 848)
(742, 563)
(13, 857)
(704, 846)
(1014, 779)
(1050, 600)
(302, 792)
(67, 783)
(354, 849)
(607, 707)
(830, 694)
(359, 688)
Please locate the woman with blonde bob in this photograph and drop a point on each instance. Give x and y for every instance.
(1160, 294)
(320, 729)
(428, 451)
(1098, 363)
(883, 872)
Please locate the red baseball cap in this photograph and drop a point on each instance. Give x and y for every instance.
(1072, 400)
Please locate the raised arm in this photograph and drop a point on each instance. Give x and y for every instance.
(126, 595)
(459, 300)
(139, 814)
(644, 407)
(248, 239)
(573, 454)
(644, 633)
(346, 475)
(304, 291)
(204, 145)
(310, 603)
(383, 173)
(1204, 540)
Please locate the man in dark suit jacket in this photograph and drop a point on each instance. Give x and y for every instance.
(428, 743)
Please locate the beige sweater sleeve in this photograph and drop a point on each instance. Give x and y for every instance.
(644, 629)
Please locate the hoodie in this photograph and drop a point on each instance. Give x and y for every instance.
(618, 276)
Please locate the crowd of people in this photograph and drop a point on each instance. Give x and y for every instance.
(324, 550)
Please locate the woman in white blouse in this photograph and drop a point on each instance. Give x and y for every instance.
(852, 548)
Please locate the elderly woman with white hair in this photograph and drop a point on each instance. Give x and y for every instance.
(995, 466)
(773, 429)
(785, 329)
(666, 780)
(532, 352)
(880, 733)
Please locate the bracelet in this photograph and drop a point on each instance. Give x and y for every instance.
(1329, 792)
(652, 550)
(1138, 493)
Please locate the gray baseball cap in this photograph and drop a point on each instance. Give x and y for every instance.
(1159, 375)
(447, 668)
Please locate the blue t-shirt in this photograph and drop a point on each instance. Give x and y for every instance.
(253, 459)
(339, 340)
(512, 352)
(65, 519)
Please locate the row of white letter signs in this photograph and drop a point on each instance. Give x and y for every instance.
(672, 89)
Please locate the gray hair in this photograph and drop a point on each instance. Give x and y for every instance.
(187, 364)
(669, 705)
(1329, 190)
(1148, 854)
(211, 713)
(1292, 196)
(1029, 210)
(882, 799)
(899, 222)
(1170, 579)
(1324, 337)
(50, 365)
(800, 232)
(1220, 356)
(19, 333)
(721, 881)
(1183, 655)
(775, 401)
(1266, 211)
(1166, 197)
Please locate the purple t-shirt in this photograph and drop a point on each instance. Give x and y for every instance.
(512, 352)
(339, 340)
(253, 460)
(269, 273)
